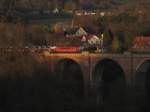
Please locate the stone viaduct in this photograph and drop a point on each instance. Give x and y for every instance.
(91, 70)
(130, 63)
(102, 75)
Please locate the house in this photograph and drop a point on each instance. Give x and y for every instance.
(93, 40)
(141, 43)
(55, 11)
(79, 12)
(75, 32)
(88, 12)
(102, 14)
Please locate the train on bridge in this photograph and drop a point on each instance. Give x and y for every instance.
(62, 49)
(54, 49)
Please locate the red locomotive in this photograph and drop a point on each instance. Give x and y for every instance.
(65, 49)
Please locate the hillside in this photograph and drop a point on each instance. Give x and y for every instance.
(129, 18)
(75, 4)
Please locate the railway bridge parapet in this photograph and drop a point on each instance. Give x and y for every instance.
(129, 64)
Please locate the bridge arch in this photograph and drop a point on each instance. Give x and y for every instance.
(142, 83)
(142, 73)
(72, 80)
(108, 81)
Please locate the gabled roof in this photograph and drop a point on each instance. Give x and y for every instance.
(90, 36)
(75, 30)
(141, 41)
(87, 37)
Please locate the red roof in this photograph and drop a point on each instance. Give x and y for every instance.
(141, 40)
(89, 36)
